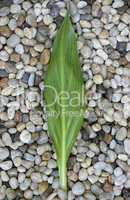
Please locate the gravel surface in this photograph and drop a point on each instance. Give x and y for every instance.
(99, 166)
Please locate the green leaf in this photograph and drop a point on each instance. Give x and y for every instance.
(64, 96)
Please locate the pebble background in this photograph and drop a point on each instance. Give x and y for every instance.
(99, 166)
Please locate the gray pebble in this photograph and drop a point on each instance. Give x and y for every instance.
(13, 41)
(15, 8)
(4, 11)
(4, 55)
(121, 134)
(4, 153)
(6, 165)
(3, 73)
(78, 189)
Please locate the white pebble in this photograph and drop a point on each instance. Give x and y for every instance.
(25, 137)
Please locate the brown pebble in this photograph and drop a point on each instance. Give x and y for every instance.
(42, 187)
(46, 156)
(45, 57)
(5, 31)
(15, 57)
(108, 138)
(104, 34)
(107, 187)
(3, 65)
(123, 61)
(33, 61)
(111, 69)
(3, 82)
(18, 117)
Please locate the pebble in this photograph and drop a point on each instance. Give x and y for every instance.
(81, 4)
(125, 18)
(19, 49)
(45, 57)
(6, 165)
(42, 187)
(11, 194)
(6, 138)
(116, 97)
(27, 5)
(86, 52)
(83, 174)
(3, 73)
(12, 24)
(31, 79)
(25, 77)
(118, 4)
(31, 20)
(4, 11)
(98, 79)
(127, 146)
(28, 194)
(78, 189)
(13, 41)
(25, 137)
(13, 183)
(120, 180)
(24, 185)
(47, 19)
(36, 118)
(30, 32)
(121, 134)
(4, 56)
(15, 8)
(4, 176)
(36, 177)
(102, 54)
(4, 21)
(4, 153)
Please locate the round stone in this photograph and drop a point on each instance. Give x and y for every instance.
(13, 182)
(83, 174)
(6, 139)
(98, 79)
(4, 21)
(86, 52)
(19, 49)
(25, 137)
(15, 8)
(118, 4)
(28, 194)
(36, 177)
(12, 24)
(81, 4)
(4, 55)
(121, 134)
(102, 54)
(4, 176)
(13, 41)
(42, 187)
(6, 165)
(4, 153)
(78, 189)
